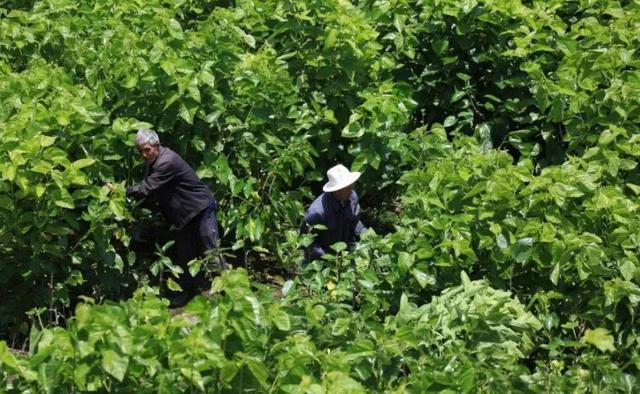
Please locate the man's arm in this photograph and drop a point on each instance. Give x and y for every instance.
(359, 228)
(162, 175)
(314, 251)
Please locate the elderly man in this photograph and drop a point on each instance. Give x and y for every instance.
(186, 203)
(337, 209)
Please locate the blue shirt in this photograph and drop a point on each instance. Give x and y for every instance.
(342, 220)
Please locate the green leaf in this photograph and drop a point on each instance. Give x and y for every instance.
(422, 278)
(198, 144)
(457, 96)
(131, 82)
(501, 241)
(194, 267)
(555, 274)
(63, 118)
(280, 318)
(6, 203)
(187, 110)
(9, 172)
(80, 374)
(339, 247)
(628, 270)
(6, 357)
(207, 78)
(483, 135)
(155, 268)
(251, 228)
(175, 30)
(194, 93)
(449, 121)
(330, 38)
(64, 204)
(287, 286)
(249, 40)
(557, 110)
(359, 162)
(599, 338)
(114, 364)
(255, 309)
(367, 284)
(440, 46)
(405, 307)
(340, 382)
(195, 377)
(167, 246)
(117, 208)
(316, 313)
(634, 188)
(228, 371)
(606, 137)
(340, 326)
(405, 261)
(522, 250)
(329, 116)
(40, 189)
(466, 380)
(172, 285)
(259, 371)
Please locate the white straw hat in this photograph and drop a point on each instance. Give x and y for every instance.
(339, 178)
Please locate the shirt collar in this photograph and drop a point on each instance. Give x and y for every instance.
(162, 148)
(335, 204)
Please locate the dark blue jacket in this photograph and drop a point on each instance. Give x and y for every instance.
(181, 194)
(342, 221)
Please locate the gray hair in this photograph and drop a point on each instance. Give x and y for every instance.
(147, 136)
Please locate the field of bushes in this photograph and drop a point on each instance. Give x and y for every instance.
(499, 146)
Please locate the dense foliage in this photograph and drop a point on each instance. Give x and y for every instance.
(498, 142)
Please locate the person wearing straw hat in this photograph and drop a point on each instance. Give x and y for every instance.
(337, 209)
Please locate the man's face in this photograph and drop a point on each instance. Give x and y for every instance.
(149, 152)
(344, 194)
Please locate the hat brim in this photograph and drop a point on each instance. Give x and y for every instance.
(351, 179)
